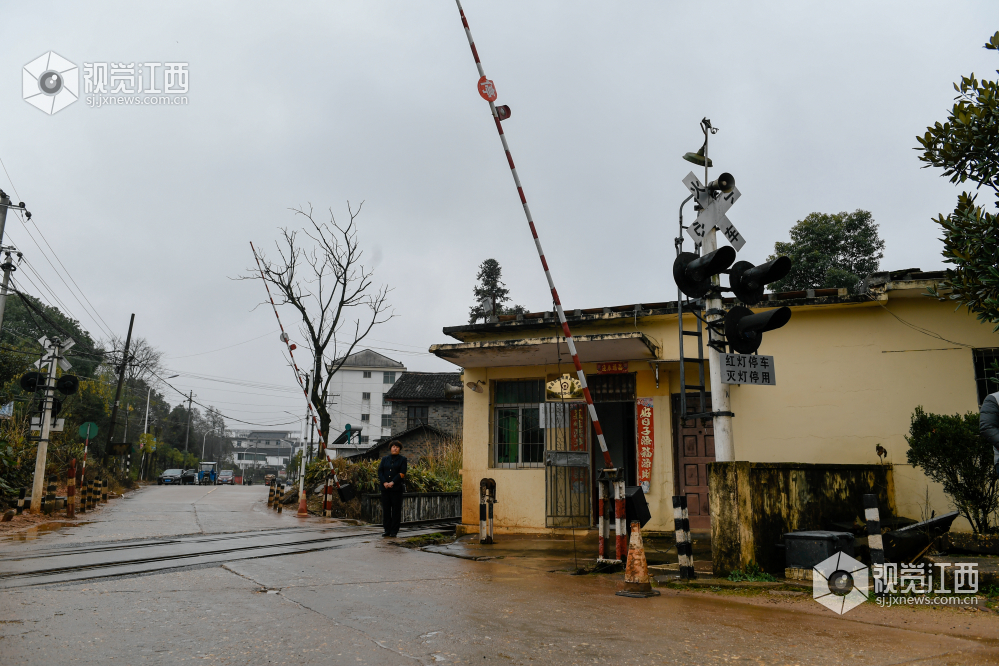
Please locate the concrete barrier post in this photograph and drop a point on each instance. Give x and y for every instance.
(328, 498)
(874, 541)
(104, 491)
(71, 490)
(50, 495)
(684, 548)
(270, 493)
(20, 500)
(280, 498)
(603, 523)
(620, 522)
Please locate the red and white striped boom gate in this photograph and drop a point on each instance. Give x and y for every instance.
(608, 481)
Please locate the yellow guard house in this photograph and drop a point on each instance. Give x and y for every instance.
(849, 370)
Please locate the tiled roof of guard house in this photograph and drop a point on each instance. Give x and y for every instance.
(424, 386)
(876, 282)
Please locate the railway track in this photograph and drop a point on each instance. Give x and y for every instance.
(80, 562)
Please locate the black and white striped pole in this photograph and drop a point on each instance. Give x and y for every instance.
(684, 548)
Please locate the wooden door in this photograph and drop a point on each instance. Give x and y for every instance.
(694, 448)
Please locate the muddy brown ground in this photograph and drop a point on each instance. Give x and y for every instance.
(372, 602)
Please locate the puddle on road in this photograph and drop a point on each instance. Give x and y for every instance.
(36, 531)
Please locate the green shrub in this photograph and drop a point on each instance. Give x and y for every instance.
(753, 574)
(950, 451)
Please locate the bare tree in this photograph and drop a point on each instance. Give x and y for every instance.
(144, 360)
(332, 292)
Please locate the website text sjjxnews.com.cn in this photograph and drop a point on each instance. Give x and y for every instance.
(900, 600)
(135, 83)
(97, 101)
(926, 585)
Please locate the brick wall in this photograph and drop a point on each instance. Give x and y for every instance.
(446, 416)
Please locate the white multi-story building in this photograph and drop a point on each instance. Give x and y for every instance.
(357, 396)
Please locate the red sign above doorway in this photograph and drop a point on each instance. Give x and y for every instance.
(612, 368)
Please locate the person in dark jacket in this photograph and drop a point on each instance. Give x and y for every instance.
(988, 425)
(392, 475)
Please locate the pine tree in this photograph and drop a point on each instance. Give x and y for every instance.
(491, 286)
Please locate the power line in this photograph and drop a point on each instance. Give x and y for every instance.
(92, 312)
(224, 348)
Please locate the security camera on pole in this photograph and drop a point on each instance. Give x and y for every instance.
(698, 276)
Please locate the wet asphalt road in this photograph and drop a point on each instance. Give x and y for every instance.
(370, 602)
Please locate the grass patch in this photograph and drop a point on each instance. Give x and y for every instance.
(422, 540)
(752, 574)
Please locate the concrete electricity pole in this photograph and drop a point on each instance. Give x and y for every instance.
(117, 393)
(8, 266)
(721, 403)
(38, 485)
(187, 433)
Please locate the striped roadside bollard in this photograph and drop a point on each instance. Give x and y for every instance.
(874, 542)
(50, 494)
(684, 549)
(280, 498)
(620, 522)
(328, 498)
(270, 493)
(104, 491)
(71, 490)
(82, 485)
(20, 500)
(93, 493)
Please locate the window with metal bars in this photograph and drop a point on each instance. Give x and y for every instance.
(417, 416)
(986, 377)
(518, 431)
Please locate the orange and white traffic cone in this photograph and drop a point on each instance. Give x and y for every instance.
(636, 574)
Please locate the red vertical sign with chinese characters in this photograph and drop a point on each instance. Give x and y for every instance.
(646, 443)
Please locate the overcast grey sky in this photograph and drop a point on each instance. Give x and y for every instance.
(151, 208)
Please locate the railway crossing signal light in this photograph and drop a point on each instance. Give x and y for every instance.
(503, 112)
(744, 330)
(693, 273)
(68, 384)
(32, 381)
(748, 281)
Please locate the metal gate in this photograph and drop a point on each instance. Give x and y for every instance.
(567, 465)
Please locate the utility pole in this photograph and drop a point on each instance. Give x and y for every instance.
(38, 485)
(721, 403)
(117, 393)
(187, 433)
(8, 266)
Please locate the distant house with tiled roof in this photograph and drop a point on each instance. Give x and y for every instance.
(357, 397)
(425, 411)
(423, 398)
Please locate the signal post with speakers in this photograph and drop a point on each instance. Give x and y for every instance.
(697, 275)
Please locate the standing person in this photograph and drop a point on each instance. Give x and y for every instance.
(988, 424)
(392, 475)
